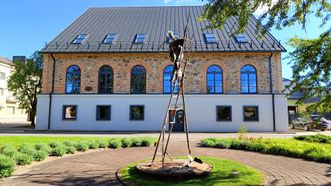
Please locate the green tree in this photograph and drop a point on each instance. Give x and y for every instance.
(25, 83)
(311, 57)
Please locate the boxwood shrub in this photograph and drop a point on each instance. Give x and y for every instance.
(27, 149)
(23, 159)
(115, 143)
(59, 150)
(82, 146)
(39, 155)
(126, 142)
(7, 166)
(8, 150)
(43, 147)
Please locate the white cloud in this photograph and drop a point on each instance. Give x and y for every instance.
(262, 9)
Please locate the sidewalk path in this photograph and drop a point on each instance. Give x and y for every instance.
(98, 168)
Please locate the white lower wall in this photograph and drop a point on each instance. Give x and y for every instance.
(201, 112)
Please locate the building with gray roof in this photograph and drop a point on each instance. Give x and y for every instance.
(110, 71)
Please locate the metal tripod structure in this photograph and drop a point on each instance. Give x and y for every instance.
(180, 93)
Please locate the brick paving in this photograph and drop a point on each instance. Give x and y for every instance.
(98, 168)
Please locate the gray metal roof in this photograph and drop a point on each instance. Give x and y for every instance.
(155, 22)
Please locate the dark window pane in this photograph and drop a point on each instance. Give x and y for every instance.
(251, 113)
(138, 80)
(103, 112)
(137, 112)
(223, 113)
(105, 80)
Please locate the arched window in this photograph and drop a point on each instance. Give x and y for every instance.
(248, 79)
(167, 84)
(105, 84)
(138, 80)
(214, 80)
(73, 80)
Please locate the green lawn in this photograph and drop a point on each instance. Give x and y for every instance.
(315, 151)
(18, 140)
(221, 175)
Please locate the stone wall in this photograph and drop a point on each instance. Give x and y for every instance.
(155, 63)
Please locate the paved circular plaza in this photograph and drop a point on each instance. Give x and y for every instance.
(99, 167)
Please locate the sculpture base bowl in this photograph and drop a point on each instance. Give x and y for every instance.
(175, 169)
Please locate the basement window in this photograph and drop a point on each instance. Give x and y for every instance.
(210, 38)
(240, 38)
(223, 113)
(79, 39)
(140, 38)
(251, 113)
(137, 112)
(103, 112)
(109, 38)
(69, 112)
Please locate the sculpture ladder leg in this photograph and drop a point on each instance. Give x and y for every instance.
(169, 134)
(162, 129)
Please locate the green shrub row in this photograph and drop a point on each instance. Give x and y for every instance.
(26, 153)
(286, 147)
(318, 138)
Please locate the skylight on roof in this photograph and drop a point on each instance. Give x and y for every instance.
(169, 40)
(210, 38)
(140, 38)
(79, 39)
(109, 39)
(240, 38)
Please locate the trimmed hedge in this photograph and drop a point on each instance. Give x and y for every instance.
(38, 151)
(318, 138)
(286, 147)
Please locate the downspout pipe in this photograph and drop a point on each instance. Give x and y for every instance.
(51, 94)
(272, 92)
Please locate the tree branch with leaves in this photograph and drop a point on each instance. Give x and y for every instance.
(311, 57)
(25, 83)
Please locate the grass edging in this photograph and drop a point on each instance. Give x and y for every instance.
(220, 175)
(286, 147)
(13, 155)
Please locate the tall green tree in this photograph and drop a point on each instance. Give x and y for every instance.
(311, 57)
(25, 83)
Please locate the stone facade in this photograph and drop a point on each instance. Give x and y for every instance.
(155, 63)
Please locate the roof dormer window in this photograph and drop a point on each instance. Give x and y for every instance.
(240, 38)
(210, 38)
(79, 39)
(140, 38)
(109, 39)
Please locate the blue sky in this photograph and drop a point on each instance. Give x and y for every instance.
(27, 25)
